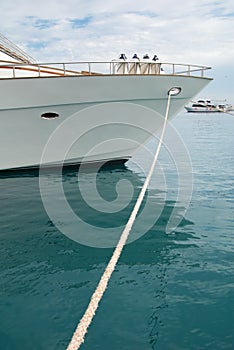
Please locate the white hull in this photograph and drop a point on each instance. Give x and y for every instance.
(201, 110)
(101, 118)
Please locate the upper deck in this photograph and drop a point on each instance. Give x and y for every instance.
(15, 63)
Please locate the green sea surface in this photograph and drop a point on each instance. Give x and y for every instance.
(169, 291)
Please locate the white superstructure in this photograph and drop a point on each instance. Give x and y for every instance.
(85, 111)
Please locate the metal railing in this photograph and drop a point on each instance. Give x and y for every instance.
(117, 67)
(12, 50)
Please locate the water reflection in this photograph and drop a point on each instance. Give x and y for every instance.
(40, 266)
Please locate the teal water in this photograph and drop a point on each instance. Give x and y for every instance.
(169, 291)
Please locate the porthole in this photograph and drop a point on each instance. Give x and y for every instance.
(50, 115)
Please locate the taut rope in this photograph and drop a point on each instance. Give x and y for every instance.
(82, 327)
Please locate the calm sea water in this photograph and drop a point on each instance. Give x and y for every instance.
(169, 291)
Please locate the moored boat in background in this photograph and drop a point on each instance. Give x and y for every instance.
(208, 106)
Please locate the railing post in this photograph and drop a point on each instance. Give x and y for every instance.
(64, 69)
(13, 71)
(189, 68)
(173, 68)
(89, 68)
(39, 70)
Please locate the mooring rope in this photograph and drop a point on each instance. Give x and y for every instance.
(82, 327)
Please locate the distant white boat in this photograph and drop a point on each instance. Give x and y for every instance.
(38, 99)
(208, 106)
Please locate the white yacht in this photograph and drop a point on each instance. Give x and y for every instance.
(208, 106)
(85, 112)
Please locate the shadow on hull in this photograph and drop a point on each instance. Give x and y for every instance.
(66, 168)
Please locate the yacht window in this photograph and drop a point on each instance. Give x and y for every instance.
(50, 115)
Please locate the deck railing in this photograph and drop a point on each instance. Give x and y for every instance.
(116, 67)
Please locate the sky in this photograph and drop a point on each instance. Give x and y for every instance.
(181, 31)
